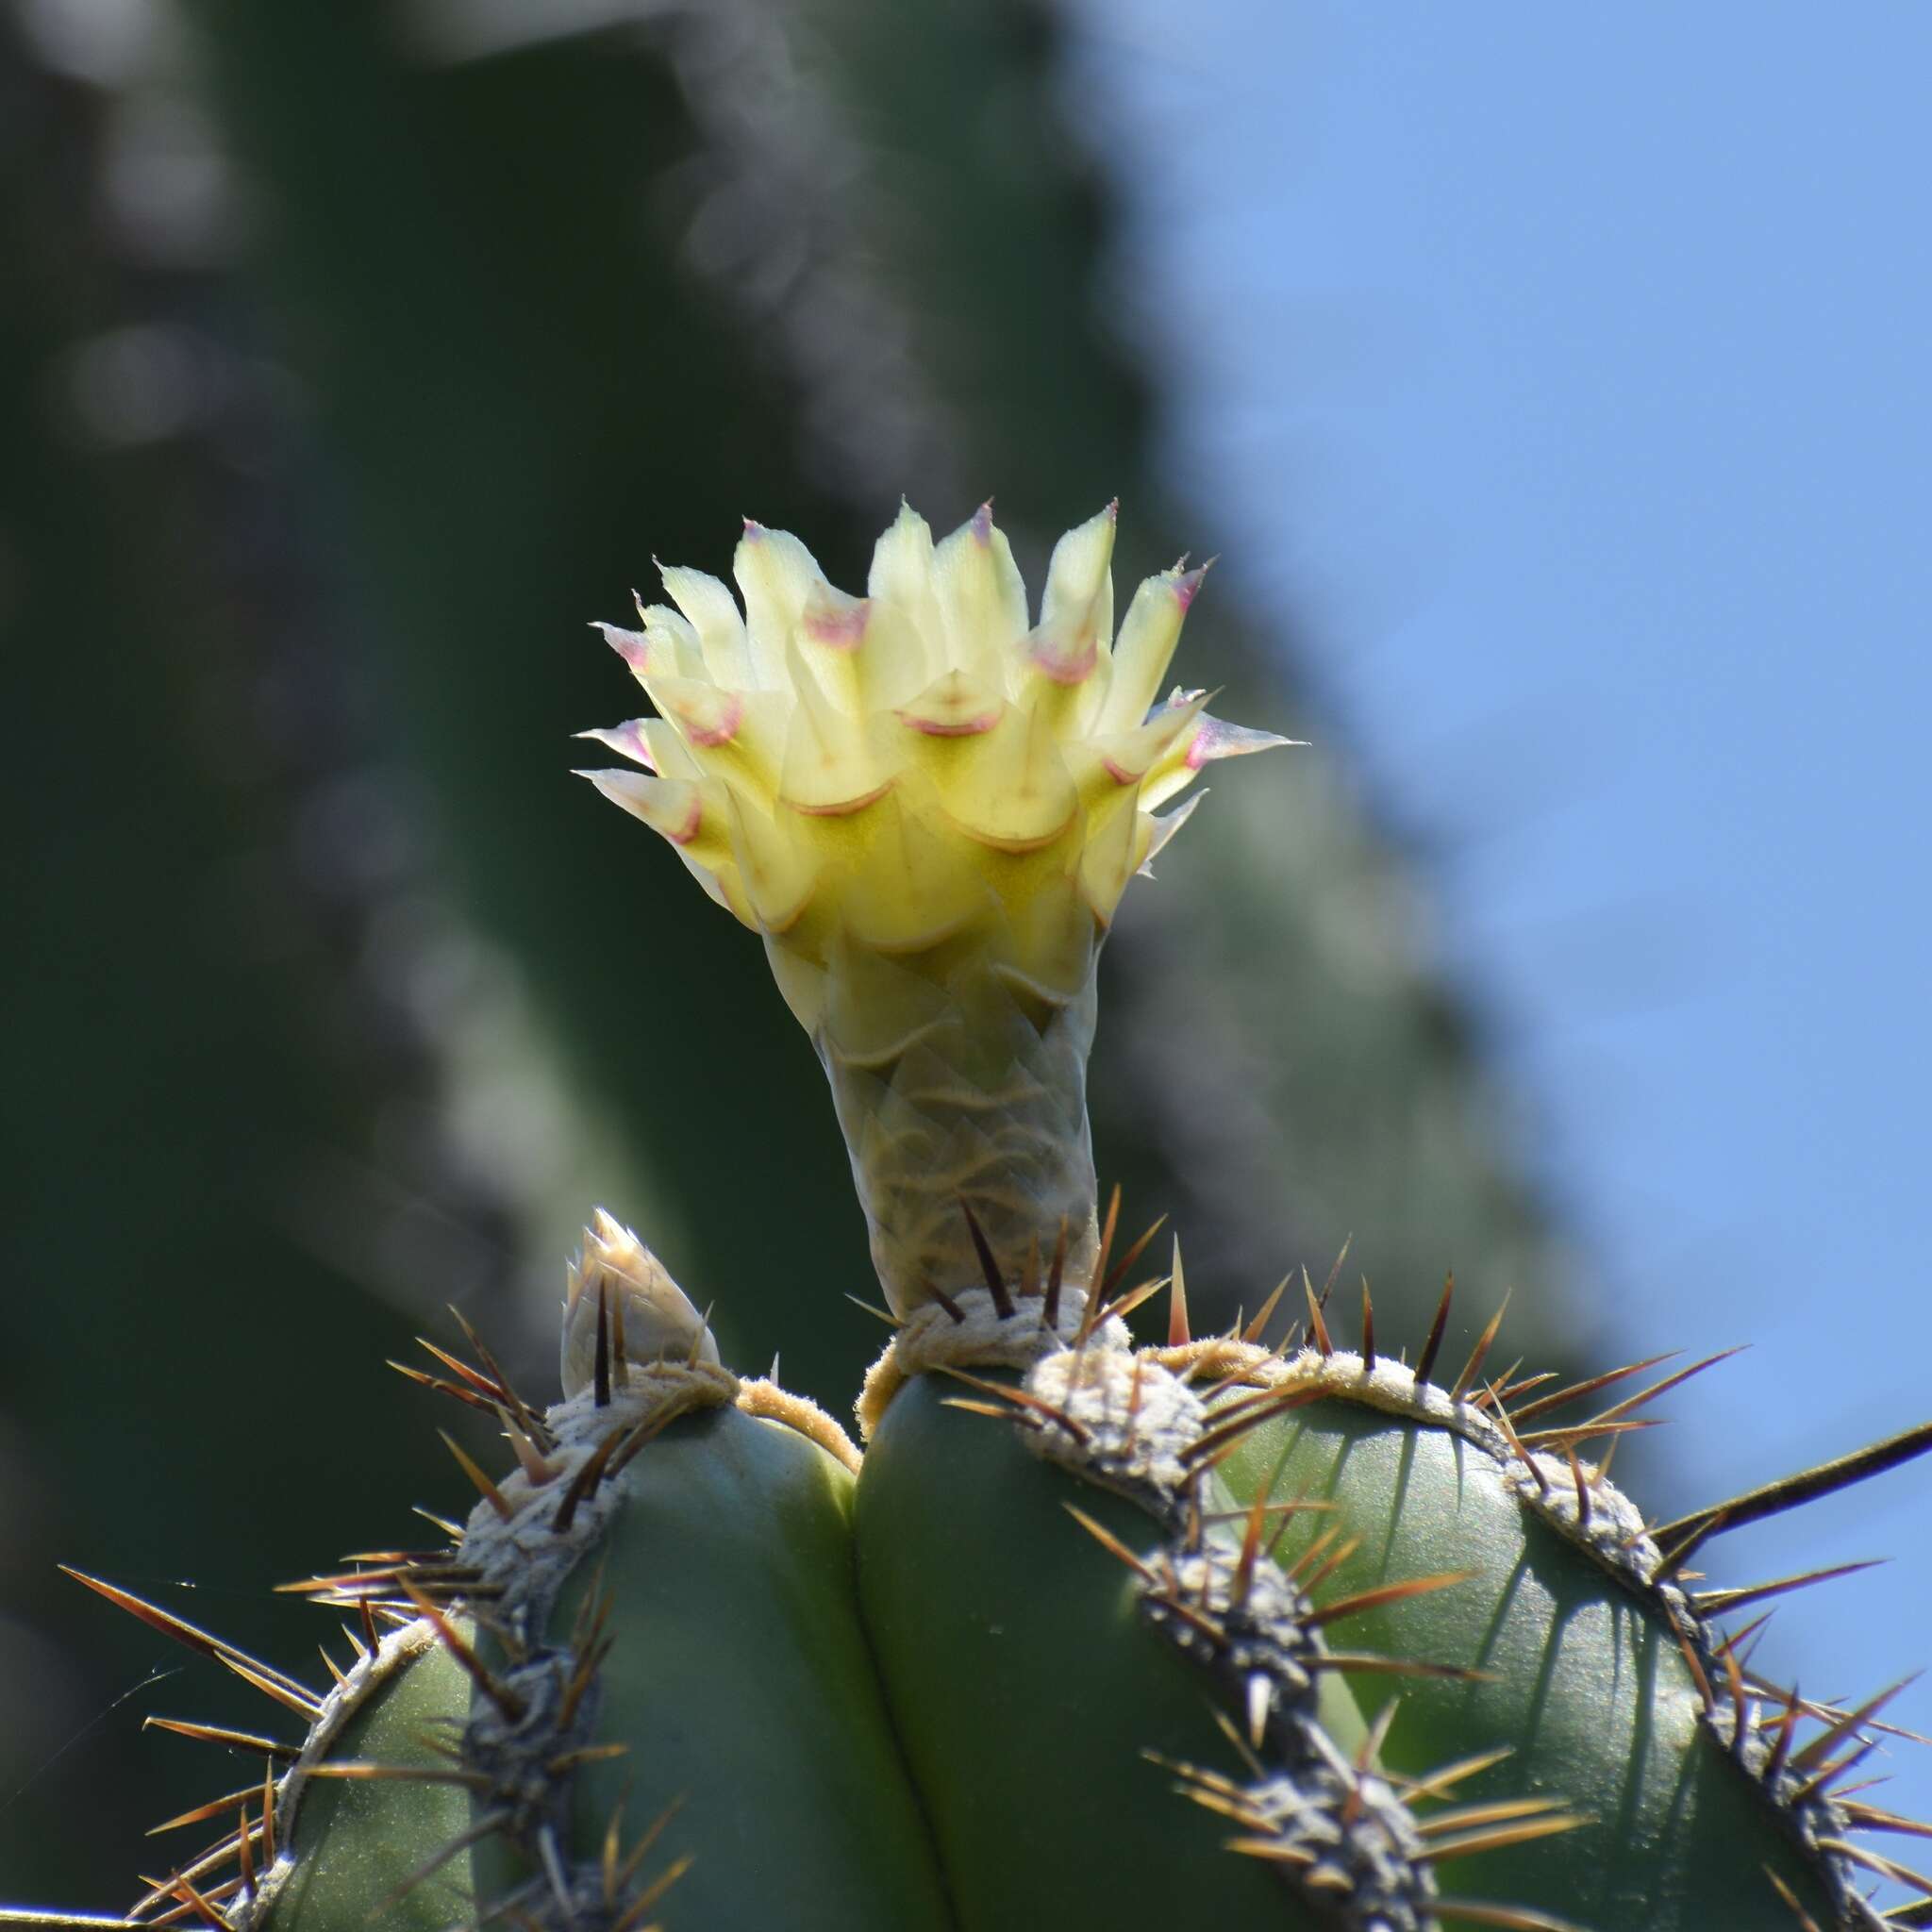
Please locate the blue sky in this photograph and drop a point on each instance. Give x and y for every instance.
(1572, 371)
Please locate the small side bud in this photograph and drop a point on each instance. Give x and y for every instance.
(645, 1314)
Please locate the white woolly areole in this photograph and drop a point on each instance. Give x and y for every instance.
(1614, 1534)
(527, 1554)
(1138, 1419)
(1127, 1423)
(929, 1338)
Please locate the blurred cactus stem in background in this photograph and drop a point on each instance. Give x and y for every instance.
(930, 809)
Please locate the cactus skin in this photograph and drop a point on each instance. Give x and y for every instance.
(1602, 1681)
(757, 1727)
(943, 1698)
(989, 1574)
(356, 1850)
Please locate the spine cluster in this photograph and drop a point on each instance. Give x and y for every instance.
(1341, 1833)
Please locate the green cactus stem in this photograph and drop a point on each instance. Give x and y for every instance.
(1604, 1676)
(1092, 1638)
(356, 1855)
(1099, 1638)
(734, 1664)
(1038, 1700)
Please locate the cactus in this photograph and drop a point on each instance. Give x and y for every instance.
(1089, 1634)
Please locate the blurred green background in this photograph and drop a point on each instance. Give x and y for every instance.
(354, 356)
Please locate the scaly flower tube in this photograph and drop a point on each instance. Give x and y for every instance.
(929, 808)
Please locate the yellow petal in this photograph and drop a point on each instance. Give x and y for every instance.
(707, 715)
(1155, 832)
(668, 752)
(1205, 741)
(1054, 939)
(671, 807)
(1145, 645)
(712, 614)
(918, 885)
(901, 580)
(954, 705)
(665, 647)
(830, 767)
(724, 884)
(830, 636)
(1010, 789)
(628, 741)
(1125, 757)
(867, 655)
(1078, 600)
(1109, 858)
(776, 871)
(775, 575)
(981, 599)
(735, 735)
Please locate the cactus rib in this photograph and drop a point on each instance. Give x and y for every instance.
(1324, 1422)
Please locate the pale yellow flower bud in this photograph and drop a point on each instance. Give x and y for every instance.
(929, 809)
